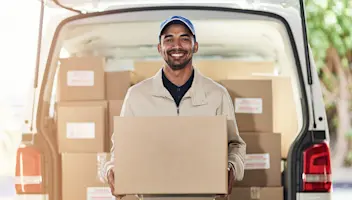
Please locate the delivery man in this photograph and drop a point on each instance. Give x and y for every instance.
(179, 89)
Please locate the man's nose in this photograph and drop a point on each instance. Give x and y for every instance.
(177, 44)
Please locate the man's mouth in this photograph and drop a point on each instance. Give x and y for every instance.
(177, 55)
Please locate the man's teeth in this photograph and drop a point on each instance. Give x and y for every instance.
(177, 54)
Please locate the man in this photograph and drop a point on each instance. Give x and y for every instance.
(179, 89)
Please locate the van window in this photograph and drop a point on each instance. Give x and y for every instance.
(235, 50)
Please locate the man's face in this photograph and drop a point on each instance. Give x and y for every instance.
(177, 46)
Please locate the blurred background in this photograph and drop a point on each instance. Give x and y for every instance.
(330, 36)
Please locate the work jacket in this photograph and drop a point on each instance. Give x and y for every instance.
(205, 98)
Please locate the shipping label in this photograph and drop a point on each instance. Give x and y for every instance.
(99, 193)
(80, 78)
(249, 105)
(257, 161)
(80, 130)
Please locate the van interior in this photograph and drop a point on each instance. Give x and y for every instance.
(235, 50)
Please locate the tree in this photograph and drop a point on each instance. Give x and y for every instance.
(329, 24)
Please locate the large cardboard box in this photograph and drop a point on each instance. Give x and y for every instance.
(114, 110)
(171, 155)
(253, 103)
(214, 69)
(80, 178)
(117, 84)
(256, 193)
(81, 129)
(81, 78)
(263, 160)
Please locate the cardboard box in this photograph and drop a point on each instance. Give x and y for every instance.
(81, 129)
(171, 155)
(285, 105)
(263, 160)
(256, 193)
(285, 112)
(114, 110)
(145, 69)
(253, 103)
(104, 104)
(80, 179)
(229, 69)
(214, 69)
(81, 78)
(117, 84)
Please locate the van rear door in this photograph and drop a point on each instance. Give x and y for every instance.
(291, 10)
(305, 175)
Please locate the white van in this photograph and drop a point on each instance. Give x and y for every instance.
(246, 30)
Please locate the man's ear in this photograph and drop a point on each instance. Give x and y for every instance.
(159, 47)
(195, 48)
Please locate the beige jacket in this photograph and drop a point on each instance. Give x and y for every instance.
(204, 98)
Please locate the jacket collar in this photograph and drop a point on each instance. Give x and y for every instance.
(196, 92)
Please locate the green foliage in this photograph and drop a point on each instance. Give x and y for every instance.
(349, 134)
(348, 159)
(329, 23)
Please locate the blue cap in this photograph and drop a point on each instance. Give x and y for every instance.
(178, 19)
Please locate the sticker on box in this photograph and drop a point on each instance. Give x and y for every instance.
(249, 105)
(80, 78)
(80, 130)
(99, 193)
(257, 161)
(255, 193)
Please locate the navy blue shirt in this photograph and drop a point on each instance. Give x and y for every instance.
(177, 92)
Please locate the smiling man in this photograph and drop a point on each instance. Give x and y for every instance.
(179, 89)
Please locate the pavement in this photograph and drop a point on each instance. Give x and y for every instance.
(342, 184)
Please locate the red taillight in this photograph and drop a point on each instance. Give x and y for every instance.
(317, 168)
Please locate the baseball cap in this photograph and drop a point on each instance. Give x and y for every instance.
(177, 19)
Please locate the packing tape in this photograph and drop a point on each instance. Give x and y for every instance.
(255, 193)
(101, 160)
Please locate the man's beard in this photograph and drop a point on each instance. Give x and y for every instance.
(180, 66)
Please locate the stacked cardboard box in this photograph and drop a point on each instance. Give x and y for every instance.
(265, 112)
(87, 99)
(214, 69)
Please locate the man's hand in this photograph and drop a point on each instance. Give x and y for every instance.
(230, 181)
(111, 181)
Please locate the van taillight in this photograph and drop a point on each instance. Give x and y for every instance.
(317, 168)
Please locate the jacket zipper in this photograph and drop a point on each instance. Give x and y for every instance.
(178, 111)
